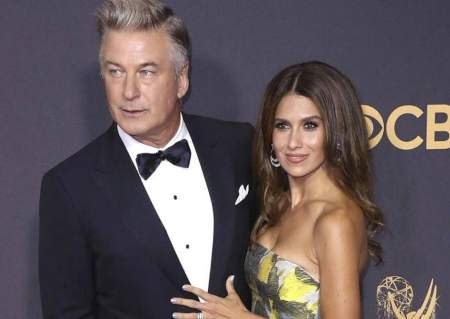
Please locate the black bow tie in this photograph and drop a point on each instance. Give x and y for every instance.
(178, 154)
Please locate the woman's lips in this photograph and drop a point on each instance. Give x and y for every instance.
(296, 159)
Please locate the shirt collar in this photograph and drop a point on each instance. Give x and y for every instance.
(135, 147)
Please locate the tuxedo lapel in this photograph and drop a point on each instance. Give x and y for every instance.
(118, 177)
(220, 186)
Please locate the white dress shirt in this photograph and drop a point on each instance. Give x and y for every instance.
(182, 201)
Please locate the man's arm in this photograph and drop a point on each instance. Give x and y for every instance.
(249, 135)
(65, 260)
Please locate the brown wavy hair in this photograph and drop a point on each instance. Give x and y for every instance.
(346, 144)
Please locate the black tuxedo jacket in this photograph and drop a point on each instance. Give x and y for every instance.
(104, 253)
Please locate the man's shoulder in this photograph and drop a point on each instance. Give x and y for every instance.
(219, 128)
(84, 159)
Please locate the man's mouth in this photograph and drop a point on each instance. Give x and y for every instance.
(133, 112)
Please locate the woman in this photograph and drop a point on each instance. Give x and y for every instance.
(316, 227)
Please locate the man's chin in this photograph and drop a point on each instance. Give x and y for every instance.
(133, 129)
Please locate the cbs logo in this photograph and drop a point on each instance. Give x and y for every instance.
(434, 125)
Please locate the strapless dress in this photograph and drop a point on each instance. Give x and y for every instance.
(281, 289)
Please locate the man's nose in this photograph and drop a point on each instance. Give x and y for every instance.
(131, 89)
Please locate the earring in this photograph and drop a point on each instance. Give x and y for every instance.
(273, 158)
(339, 152)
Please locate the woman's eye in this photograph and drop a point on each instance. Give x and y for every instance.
(281, 125)
(310, 125)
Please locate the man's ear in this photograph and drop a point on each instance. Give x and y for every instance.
(183, 81)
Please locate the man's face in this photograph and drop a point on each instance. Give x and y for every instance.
(142, 89)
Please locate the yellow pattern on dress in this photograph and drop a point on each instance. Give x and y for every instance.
(265, 267)
(296, 288)
(280, 288)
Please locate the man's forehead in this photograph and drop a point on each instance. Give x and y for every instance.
(142, 46)
(122, 35)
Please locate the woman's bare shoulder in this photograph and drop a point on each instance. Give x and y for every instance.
(340, 217)
(340, 231)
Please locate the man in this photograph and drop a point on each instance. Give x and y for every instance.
(160, 200)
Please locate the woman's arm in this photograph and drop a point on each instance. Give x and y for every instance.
(338, 241)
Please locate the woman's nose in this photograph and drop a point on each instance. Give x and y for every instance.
(295, 139)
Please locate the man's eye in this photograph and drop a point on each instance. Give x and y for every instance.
(146, 73)
(310, 125)
(115, 72)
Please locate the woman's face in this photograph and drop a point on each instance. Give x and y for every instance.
(298, 136)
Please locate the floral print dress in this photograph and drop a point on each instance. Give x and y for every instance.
(280, 288)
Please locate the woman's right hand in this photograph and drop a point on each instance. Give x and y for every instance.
(214, 307)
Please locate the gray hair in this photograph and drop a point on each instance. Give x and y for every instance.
(142, 15)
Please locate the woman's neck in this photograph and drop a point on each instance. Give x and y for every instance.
(315, 186)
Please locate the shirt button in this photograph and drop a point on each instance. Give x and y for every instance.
(175, 197)
(187, 246)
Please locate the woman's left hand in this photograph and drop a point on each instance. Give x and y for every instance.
(213, 307)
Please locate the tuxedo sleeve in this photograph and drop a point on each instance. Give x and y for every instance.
(65, 259)
(248, 134)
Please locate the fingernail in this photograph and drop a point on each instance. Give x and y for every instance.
(173, 300)
(232, 278)
(174, 315)
(185, 287)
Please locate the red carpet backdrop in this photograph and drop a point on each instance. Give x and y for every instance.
(396, 52)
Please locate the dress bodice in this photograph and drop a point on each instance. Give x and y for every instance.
(281, 289)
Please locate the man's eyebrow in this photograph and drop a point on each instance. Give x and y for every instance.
(142, 65)
(111, 62)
